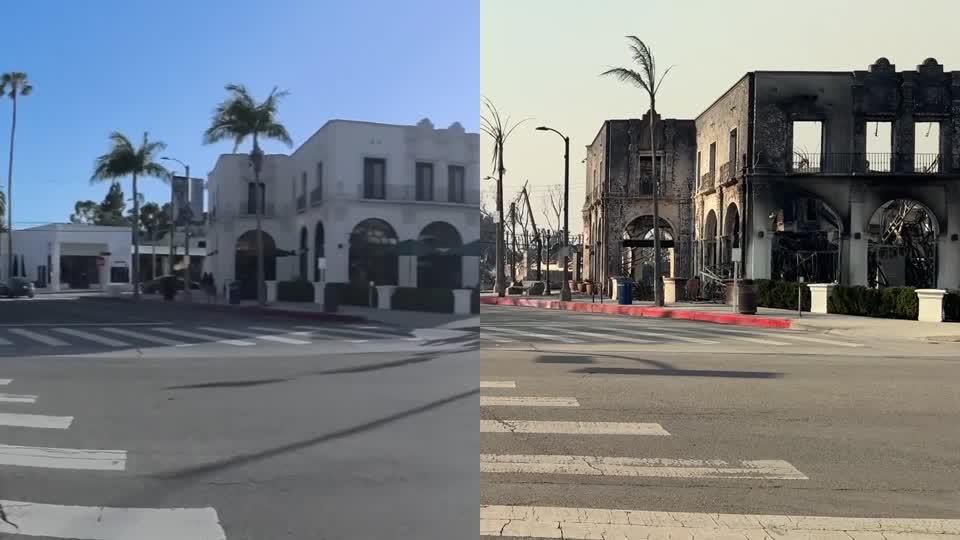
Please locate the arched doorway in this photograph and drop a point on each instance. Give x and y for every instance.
(638, 262)
(441, 266)
(318, 252)
(731, 232)
(304, 253)
(709, 240)
(902, 245)
(245, 268)
(806, 240)
(373, 253)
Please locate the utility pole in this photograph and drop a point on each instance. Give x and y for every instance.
(186, 241)
(501, 244)
(513, 235)
(536, 232)
(546, 233)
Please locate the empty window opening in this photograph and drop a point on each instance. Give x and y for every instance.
(879, 156)
(713, 158)
(732, 158)
(926, 147)
(699, 170)
(807, 148)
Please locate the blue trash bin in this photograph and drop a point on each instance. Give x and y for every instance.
(625, 292)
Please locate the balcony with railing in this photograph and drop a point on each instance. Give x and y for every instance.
(245, 210)
(866, 163)
(301, 203)
(637, 189)
(708, 180)
(396, 193)
(727, 173)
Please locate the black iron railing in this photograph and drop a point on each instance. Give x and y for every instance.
(316, 196)
(708, 180)
(865, 163)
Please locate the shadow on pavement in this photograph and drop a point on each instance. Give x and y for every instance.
(563, 359)
(666, 369)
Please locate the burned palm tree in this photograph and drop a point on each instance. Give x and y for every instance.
(499, 130)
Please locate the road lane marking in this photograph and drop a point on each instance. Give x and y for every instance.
(607, 336)
(549, 337)
(497, 339)
(714, 328)
(35, 421)
(639, 467)
(63, 458)
(498, 384)
(511, 401)
(341, 330)
(109, 342)
(4, 382)
(204, 337)
(18, 398)
(106, 523)
(36, 336)
(672, 336)
(759, 341)
(822, 340)
(571, 428)
(278, 339)
(47, 325)
(591, 523)
(144, 337)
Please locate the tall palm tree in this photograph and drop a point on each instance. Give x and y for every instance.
(124, 160)
(236, 118)
(13, 85)
(646, 79)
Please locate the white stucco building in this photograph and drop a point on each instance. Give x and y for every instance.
(70, 255)
(356, 202)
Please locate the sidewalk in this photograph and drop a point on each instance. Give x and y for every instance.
(841, 325)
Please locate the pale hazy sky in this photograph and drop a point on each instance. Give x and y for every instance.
(540, 59)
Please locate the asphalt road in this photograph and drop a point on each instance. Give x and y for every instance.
(807, 428)
(270, 440)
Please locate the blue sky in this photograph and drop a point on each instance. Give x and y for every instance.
(133, 66)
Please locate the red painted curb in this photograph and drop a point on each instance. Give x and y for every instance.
(642, 311)
(266, 311)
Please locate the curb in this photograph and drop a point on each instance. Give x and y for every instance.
(285, 313)
(642, 311)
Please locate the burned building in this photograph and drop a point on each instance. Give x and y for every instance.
(851, 177)
(619, 199)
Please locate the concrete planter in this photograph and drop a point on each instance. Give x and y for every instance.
(820, 296)
(931, 304)
(318, 290)
(385, 296)
(461, 301)
(271, 291)
(673, 289)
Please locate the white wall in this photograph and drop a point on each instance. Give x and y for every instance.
(68, 239)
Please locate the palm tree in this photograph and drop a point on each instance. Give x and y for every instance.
(646, 79)
(236, 118)
(12, 84)
(499, 130)
(124, 160)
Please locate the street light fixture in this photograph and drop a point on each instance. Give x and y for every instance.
(186, 233)
(565, 295)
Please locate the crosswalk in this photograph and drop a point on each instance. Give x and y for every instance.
(94, 522)
(66, 337)
(503, 410)
(646, 333)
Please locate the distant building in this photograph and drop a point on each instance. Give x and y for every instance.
(357, 202)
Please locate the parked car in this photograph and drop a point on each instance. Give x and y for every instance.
(17, 287)
(155, 286)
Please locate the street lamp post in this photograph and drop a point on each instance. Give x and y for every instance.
(186, 234)
(565, 286)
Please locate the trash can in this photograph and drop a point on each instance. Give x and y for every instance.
(233, 292)
(625, 292)
(746, 297)
(331, 299)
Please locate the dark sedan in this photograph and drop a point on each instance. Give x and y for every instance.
(17, 287)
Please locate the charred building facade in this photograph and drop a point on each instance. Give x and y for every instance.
(619, 198)
(848, 177)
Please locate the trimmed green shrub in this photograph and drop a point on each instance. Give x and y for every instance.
(951, 306)
(887, 303)
(475, 300)
(298, 290)
(781, 294)
(352, 294)
(423, 299)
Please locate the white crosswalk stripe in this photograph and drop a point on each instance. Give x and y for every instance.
(106, 523)
(204, 337)
(82, 334)
(511, 401)
(18, 398)
(343, 331)
(498, 384)
(62, 458)
(4, 382)
(5, 341)
(571, 428)
(278, 339)
(608, 336)
(36, 336)
(549, 337)
(647, 467)
(142, 336)
(35, 421)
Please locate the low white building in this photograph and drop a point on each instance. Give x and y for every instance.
(69, 255)
(357, 202)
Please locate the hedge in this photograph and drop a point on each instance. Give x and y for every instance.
(781, 294)
(299, 290)
(475, 300)
(951, 306)
(423, 299)
(353, 294)
(887, 303)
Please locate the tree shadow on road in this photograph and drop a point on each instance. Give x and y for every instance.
(658, 367)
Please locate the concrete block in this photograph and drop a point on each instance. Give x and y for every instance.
(931, 304)
(819, 296)
(670, 286)
(461, 301)
(318, 289)
(385, 296)
(271, 291)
